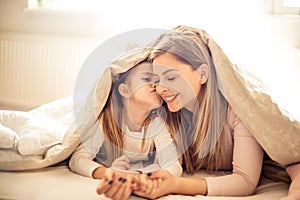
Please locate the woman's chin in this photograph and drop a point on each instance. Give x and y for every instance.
(173, 108)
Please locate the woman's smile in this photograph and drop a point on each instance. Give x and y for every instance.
(169, 99)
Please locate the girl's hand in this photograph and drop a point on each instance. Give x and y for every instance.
(121, 163)
(116, 185)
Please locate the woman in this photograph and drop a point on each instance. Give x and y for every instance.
(207, 97)
(129, 128)
(207, 130)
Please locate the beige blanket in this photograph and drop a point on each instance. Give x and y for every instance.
(276, 131)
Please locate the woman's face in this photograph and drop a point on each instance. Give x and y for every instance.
(142, 93)
(178, 83)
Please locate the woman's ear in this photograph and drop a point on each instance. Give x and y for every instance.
(123, 90)
(203, 71)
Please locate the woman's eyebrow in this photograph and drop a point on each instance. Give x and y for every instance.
(169, 71)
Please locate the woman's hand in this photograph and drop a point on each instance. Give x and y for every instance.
(166, 182)
(116, 185)
(171, 184)
(145, 184)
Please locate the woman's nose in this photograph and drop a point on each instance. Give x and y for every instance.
(160, 88)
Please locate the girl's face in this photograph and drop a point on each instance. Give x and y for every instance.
(178, 83)
(141, 91)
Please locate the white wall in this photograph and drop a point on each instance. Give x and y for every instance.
(265, 44)
(15, 17)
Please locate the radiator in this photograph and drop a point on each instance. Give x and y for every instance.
(36, 69)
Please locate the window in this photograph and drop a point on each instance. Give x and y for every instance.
(291, 3)
(286, 7)
(65, 5)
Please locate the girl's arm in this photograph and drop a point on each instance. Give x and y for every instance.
(114, 185)
(82, 163)
(82, 158)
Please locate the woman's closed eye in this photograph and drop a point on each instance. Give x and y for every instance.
(171, 77)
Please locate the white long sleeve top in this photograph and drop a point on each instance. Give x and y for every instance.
(82, 160)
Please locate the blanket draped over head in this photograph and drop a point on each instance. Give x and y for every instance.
(276, 131)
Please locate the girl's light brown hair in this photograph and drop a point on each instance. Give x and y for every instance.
(112, 119)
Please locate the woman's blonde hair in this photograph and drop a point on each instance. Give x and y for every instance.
(197, 135)
(112, 119)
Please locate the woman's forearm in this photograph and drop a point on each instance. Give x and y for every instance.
(294, 172)
(190, 186)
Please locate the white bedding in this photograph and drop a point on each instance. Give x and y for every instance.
(38, 138)
(59, 182)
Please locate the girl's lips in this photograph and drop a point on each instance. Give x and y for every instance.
(153, 90)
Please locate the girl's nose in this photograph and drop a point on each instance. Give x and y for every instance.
(153, 84)
(155, 80)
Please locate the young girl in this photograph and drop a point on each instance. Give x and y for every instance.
(131, 128)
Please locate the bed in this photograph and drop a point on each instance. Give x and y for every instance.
(58, 182)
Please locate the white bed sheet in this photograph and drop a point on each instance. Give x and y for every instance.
(59, 182)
